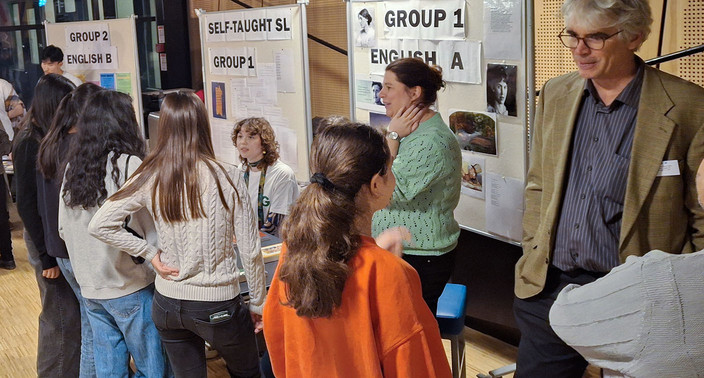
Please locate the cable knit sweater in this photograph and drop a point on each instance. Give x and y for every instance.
(201, 249)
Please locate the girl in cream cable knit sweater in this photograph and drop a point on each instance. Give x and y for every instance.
(198, 205)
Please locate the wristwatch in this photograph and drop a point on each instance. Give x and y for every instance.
(393, 136)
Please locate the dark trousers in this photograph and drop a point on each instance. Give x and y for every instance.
(434, 272)
(541, 353)
(5, 237)
(184, 326)
(59, 346)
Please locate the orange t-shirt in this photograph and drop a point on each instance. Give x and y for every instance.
(383, 327)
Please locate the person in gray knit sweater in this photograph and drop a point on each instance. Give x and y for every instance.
(198, 205)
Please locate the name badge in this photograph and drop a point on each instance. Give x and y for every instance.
(669, 168)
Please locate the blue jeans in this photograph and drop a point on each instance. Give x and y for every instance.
(87, 362)
(123, 327)
(59, 344)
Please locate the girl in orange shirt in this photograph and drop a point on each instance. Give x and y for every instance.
(339, 304)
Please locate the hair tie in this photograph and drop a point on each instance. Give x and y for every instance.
(320, 179)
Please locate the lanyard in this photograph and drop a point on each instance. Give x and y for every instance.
(260, 196)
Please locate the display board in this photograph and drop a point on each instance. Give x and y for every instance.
(102, 52)
(480, 47)
(255, 64)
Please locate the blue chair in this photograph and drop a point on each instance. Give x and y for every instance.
(450, 317)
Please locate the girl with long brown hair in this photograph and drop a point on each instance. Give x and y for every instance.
(198, 205)
(339, 304)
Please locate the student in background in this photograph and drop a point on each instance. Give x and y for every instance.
(117, 288)
(51, 160)
(198, 205)
(10, 108)
(272, 184)
(59, 322)
(53, 61)
(339, 304)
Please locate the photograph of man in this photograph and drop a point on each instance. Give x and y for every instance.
(615, 150)
(366, 35)
(501, 89)
(376, 88)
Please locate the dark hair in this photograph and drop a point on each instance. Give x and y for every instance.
(365, 13)
(107, 125)
(319, 231)
(49, 92)
(261, 127)
(377, 84)
(496, 73)
(414, 72)
(184, 141)
(50, 161)
(52, 54)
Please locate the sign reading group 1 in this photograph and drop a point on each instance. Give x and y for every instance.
(88, 48)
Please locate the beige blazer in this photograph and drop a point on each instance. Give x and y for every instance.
(658, 213)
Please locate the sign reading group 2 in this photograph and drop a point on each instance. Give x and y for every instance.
(88, 48)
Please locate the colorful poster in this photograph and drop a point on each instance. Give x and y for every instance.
(107, 80)
(124, 82)
(219, 100)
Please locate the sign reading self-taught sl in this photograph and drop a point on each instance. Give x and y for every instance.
(430, 20)
(249, 25)
(88, 48)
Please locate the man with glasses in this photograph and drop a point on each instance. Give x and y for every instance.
(615, 149)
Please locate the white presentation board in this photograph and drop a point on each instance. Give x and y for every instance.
(255, 64)
(102, 52)
(480, 47)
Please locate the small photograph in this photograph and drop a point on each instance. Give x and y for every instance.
(475, 131)
(376, 89)
(472, 176)
(379, 121)
(501, 89)
(365, 32)
(367, 95)
(219, 107)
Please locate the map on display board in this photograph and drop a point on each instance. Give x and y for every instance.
(102, 52)
(484, 99)
(255, 64)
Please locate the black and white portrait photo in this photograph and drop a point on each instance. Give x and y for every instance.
(501, 89)
(365, 33)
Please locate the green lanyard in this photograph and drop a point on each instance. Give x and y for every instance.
(260, 196)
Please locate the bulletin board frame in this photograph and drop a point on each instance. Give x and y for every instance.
(510, 160)
(294, 131)
(123, 36)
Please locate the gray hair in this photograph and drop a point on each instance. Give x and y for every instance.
(631, 16)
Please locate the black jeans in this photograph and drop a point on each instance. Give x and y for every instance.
(59, 343)
(434, 272)
(185, 325)
(5, 237)
(541, 353)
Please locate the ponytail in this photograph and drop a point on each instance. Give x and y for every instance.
(319, 231)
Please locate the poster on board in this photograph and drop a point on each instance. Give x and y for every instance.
(255, 65)
(495, 142)
(102, 52)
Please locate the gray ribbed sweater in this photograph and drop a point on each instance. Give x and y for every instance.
(201, 249)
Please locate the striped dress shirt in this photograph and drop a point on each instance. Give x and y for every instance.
(590, 220)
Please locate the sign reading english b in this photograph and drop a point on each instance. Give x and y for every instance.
(88, 48)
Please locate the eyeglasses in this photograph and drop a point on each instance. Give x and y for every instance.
(593, 42)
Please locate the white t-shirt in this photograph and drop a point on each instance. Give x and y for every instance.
(6, 90)
(76, 81)
(280, 189)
